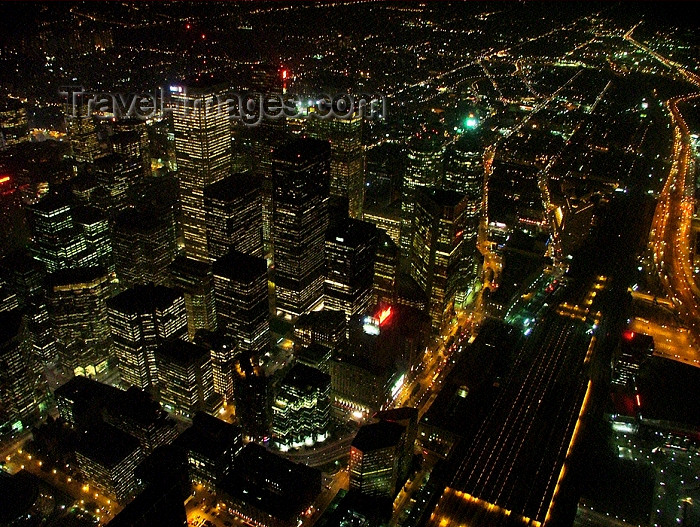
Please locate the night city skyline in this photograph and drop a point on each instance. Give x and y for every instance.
(349, 264)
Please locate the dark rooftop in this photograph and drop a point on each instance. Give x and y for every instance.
(306, 378)
(234, 187)
(238, 266)
(375, 436)
(140, 298)
(106, 445)
(184, 353)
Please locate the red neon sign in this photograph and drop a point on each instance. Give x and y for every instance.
(384, 314)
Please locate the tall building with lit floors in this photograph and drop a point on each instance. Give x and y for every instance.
(115, 175)
(14, 125)
(300, 173)
(351, 247)
(186, 379)
(252, 395)
(386, 269)
(17, 378)
(107, 459)
(347, 158)
(77, 302)
(234, 215)
(437, 256)
(81, 129)
(242, 300)
(141, 318)
(301, 411)
(145, 245)
(223, 353)
(424, 169)
(203, 152)
(375, 459)
(196, 279)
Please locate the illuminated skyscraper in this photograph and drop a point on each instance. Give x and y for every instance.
(196, 279)
(464, 166)
(77, 300)
(141, 318)
(386, 269)
(186, 378)
(242, 303)
(424, 168)
(301, 411)
(115, 175)
(17, 378)
(203, 148)
(350, 256)
(347, 158)
(131, 135)
(252, 393)
(437, 253)
(300, 174)
(234, 215)
(81, 130)
(144, 247)
(14, 126)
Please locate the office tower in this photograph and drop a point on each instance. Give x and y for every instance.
(81, 129)
(25, 277)
(387, 218)
(234, 215)
(350, 257)
(17, 378)
(144, 247)
(223, 351)
(267, 490)
(386, 165)
(77, 300)
(141, 318)
(437, 254)
(464, 165)
(242, 300)
(386, 269)
(107, 459)
(251, 392)
(264, 138)
(131, 136)
(375, 459)
(115, 174)
(301, 411)
(210, 445)
(347, 158)
(300, 172)
(186, 378)
(196, 279)
(96, 231)
(424, 169)
(408, 418)
(325, 327)
(315, 356)
(203, 149)
(14, 126)
(57, 241)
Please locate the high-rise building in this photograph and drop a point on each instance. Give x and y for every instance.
(77, 300)
(464, 165)
(347, 158)
(17, 378)
(301, 411)
(98, 237)
(144, 247)
(57, 240)
(141, 318)
(196, 279)
(351, 247)
(223, 352)
(375, 459)
(107, 459)
(386, 269)
(300, 173)
(251, 392)
(14, 126)
(115, 174)
(186, 378)
(132, 137)
(327, 327)
(81, 129)
(242, 300)
(234, 215)
(203, 148)
(424, 169)
(437, 258)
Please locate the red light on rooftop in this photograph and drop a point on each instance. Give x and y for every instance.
(384, 315)
(628, 335)
(203, 36)
(188, 26)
